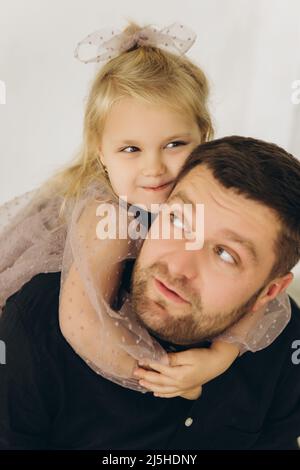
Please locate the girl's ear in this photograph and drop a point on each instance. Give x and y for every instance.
(271, 291)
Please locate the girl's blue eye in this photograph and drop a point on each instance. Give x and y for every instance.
(129, 147)
(179, 142)
(136, 149)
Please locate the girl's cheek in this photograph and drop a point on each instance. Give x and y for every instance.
(177, 166)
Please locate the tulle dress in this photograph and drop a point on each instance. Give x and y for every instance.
(34, 239)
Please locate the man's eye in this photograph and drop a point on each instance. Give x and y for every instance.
(130, 147)
(225, 256)
(178, 143)
(178, 222)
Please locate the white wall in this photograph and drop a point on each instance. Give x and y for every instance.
(249, 49)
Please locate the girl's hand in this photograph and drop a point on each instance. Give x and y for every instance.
(187, 372)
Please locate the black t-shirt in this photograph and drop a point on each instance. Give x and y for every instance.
(50, 398)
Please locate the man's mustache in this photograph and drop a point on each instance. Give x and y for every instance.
(178, 283)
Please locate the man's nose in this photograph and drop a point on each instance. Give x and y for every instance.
(153, 165)
(183, 263)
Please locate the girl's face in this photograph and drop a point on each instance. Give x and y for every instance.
(143, 147)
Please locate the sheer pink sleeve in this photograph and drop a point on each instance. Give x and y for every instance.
(110, 341)
(256, 331)
(31, 240)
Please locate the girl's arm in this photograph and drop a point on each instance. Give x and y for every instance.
(94, 277)
(188, 370)
(191, 369)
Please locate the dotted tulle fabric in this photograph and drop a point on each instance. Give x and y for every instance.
(33, 240)
(106, 43)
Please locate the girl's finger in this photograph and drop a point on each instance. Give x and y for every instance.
(153, 377)
(166, 395)
(168, 371)
(158, 388)
(181, 393)
(186, 358)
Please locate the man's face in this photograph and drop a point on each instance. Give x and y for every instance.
(186, 296)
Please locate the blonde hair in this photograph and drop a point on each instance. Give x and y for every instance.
(149, 74)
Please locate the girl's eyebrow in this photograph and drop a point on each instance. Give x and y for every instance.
(134, 141)
(176, 136)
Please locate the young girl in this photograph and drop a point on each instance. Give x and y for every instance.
(146, 112)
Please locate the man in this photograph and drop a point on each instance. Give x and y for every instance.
(51, 399)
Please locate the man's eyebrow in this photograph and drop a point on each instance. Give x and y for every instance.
(228, 234)
(237, 238)
(183, 196)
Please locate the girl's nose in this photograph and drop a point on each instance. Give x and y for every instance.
(153, 166)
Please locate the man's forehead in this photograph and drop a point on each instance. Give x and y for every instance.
(251, 217)
(195, 182)
(200, 186)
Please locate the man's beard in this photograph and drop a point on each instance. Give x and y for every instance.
(192, 325)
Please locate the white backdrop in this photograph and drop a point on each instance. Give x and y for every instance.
(248, 48)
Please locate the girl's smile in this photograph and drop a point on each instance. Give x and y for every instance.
(159, 187)
(143, 147)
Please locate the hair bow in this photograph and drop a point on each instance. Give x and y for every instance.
(109, 43)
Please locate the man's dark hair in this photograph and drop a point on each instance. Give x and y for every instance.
(263, 172)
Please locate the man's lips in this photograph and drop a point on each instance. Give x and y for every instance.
(169, 293)
(157, 188)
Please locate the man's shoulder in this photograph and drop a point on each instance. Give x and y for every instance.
(293, 326)
(291, 334)
(40, 288)
(36, 303)
(283, 343)
(276, 359)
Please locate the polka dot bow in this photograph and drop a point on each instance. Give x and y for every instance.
(104, 44)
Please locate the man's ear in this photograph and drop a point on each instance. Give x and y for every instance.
(275, 287)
